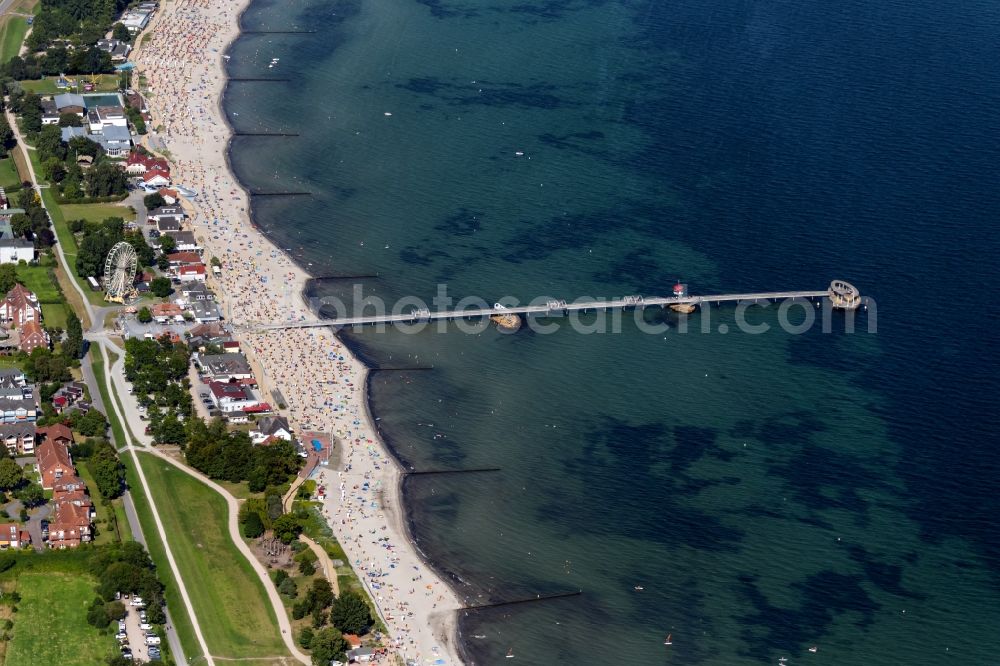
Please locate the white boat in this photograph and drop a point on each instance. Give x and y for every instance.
(814, 649)
(510, 653)
(669, 640)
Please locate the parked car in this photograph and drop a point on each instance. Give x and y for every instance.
(152, 639)
(145, 626)
(121, 636)
(136, 601)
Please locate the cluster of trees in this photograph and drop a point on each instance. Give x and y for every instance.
(158, 372)
(91, 423)
(221, 454)
(126, 568)
(14, 482)
(6, 136)
(97, 240)
(33, 223)
(58, 60)
(104, 178)
(348, 614)
(78, 22)
(103, 462)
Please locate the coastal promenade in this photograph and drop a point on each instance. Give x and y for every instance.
(321, 381)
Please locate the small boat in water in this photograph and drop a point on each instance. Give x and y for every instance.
(510, 653)
(814, 649)
(669, 640)
(638, 588)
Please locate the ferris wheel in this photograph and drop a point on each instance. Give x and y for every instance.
(119, 273)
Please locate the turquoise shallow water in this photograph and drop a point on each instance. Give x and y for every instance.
(769, 492)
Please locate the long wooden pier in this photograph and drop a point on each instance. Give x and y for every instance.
(842, 294)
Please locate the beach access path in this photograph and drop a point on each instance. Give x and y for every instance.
(321, 381)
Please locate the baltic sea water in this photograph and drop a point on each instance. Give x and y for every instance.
(768, 492)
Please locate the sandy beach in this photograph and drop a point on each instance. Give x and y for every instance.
(322, 383)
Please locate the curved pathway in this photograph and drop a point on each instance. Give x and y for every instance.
(329, 570)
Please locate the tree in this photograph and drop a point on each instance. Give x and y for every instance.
(8, 276)
(6, 135)
(321, 593)
(109, 473)
(11, 475)
(167, 244)
(160, 287)
(287, 528)
(97, 615)
(252, 526)
(351, 614)
(121, 33)
(115, 610)
(306, 638)
(72, 346)
(49, 143)
(105, 179)
(31, 495)
(70, 120)
(154, 200)
(306, 568)
(144, 315)
(328, 645)
(288, 588)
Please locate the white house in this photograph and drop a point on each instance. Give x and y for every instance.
(191, 273)
(13, 250)
(232, 397)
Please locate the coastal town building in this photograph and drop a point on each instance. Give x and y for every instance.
(139, 163)
(185, 241)
(20, 306)
(204, 311)
(167, 312)
(118, 50)
(156, 177)
(13, 536)
(271, 427)
(18, 438)
(223, 368)
(54, 462)
(18, 410)
(229, 398)
(33, 337)
(14, 250)
(166, 212)
(191, 273)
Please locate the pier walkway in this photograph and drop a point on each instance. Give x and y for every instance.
(842, 295)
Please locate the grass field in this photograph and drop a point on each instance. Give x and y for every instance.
(96, 212)
(237, 619)
(50, 626)
(12, 33)
(97, 362)
(47, 85)
(9, 177)
(36, 278)
(178, 613)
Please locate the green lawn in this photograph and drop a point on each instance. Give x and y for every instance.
(97, 362)
(96, 212)
(9, 178)
(178, 613)
(106, 521)
(36, 278)
(66, 239)
(50, 626)
(237, 619)
(47, 85)
(12, 36)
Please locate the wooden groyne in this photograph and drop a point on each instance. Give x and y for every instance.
(265, 134)
(281, 194)
(259, 80)
(478, 470)
(529, 600)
